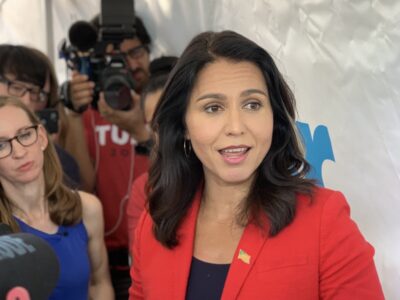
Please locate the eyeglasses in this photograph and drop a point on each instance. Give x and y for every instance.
(136, 52)
(28, 136)
(19, 90)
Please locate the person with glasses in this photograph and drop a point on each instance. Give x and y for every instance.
(37, 97)
(33, 199)
(26, 137)
(28, 74)
(103, 142)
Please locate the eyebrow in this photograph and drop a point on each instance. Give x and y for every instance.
(3, 138)
(222, 96)
(212, 95)
(253, 91)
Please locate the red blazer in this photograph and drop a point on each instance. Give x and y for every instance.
(136, 205)
(320, 255)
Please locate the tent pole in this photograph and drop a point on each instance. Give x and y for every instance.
(48, 9)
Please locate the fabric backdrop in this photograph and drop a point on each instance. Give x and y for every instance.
(342, 59)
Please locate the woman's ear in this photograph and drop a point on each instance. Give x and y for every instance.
(42, 137)
(187, 135)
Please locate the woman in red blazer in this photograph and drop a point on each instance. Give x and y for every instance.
(230, 212)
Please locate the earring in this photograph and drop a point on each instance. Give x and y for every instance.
(187, 149)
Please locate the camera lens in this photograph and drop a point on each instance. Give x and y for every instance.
(117, 83)
(117, 92)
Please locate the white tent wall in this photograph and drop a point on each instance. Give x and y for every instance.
(341, 58)
(22, 21)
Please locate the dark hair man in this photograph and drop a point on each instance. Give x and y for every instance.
(103, 142)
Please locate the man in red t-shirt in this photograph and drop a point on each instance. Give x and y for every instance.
(105, 143)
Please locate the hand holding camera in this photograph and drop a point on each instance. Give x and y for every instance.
(131, 120)
(81, 90)
(95, 54)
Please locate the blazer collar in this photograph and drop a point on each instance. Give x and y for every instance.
(245, 257)
(184, 251)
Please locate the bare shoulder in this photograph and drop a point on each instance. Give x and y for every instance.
(91, 205)
(92, 213)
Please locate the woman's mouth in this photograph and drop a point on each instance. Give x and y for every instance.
(25, 167)
(234, 154)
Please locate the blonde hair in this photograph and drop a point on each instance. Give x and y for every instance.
(64, 204)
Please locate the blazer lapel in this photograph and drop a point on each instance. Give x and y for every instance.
(184, 251)
(246, 254)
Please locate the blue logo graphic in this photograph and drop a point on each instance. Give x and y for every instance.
(318, 149)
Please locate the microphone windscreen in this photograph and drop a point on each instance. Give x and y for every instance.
(5, 229)
(18, 293)
(82, 35)
(27, 261)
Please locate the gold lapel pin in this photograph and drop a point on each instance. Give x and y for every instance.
(244, 256)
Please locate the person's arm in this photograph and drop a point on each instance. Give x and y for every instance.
(80, 93)
(100, 283)
(347, 269)
(77, 146)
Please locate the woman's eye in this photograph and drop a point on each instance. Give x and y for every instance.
(253, 106)
(212, 108)
(25, 135)
(18, 88)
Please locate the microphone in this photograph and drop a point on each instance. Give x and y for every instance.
(29, 268)
(82, 35)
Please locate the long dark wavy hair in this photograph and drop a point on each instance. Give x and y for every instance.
(174, 178)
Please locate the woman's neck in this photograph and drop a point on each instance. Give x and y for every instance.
(222, 202)
(28, 199)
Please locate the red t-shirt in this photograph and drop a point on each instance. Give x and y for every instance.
(113, 152)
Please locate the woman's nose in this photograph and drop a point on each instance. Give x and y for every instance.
(234, 122)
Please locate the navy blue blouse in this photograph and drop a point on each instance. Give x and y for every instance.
(206, 280)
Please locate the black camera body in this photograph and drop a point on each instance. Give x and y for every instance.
(49, 118)
(89, 54)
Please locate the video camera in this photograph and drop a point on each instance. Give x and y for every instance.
(88, 54)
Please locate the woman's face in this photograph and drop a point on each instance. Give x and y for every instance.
(229, 121)
(25, 163)
(33, 103)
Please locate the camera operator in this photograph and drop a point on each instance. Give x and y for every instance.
(104, 140)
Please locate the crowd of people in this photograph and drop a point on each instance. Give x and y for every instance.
(198, 191)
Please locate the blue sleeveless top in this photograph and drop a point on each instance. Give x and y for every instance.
(70, 245)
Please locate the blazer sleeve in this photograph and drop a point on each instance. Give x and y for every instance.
(136, 291)
(136, 205)
(347, 269)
